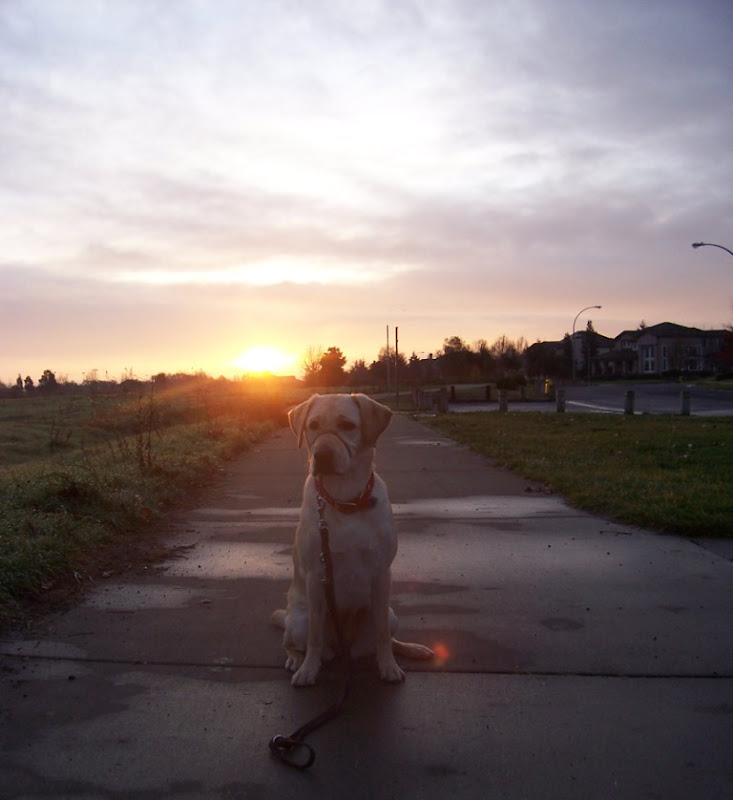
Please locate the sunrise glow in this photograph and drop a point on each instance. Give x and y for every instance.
(295, 181)
(261, 359)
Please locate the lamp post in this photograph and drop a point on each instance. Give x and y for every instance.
(572, 339)
(695, 245)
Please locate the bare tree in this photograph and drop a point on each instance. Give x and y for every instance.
(311, 364)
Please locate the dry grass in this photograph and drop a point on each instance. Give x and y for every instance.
(86, 479)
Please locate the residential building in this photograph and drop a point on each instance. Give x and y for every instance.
(663, 349)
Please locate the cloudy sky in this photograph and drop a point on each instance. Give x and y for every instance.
(184, 180)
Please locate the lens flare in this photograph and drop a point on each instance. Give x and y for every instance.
(442, 653)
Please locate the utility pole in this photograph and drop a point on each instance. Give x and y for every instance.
(386, 362)
(396, 367)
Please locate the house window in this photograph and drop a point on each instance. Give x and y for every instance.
(694, 358)
(665, 359)
(648, 358)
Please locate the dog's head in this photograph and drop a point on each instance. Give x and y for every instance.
(338, 429)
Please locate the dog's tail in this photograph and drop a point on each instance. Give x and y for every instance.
(410, 649)
(277, 618)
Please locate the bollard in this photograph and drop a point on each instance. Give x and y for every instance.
(488, 392)
(629, 403)
(502, 400)
(685, 403)
(453, 394)
(443, 400)
(560, 400)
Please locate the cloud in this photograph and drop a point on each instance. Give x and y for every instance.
(313, 172)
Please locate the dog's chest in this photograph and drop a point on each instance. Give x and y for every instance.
(358, 554)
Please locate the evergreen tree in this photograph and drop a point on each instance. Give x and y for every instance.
(332, 368)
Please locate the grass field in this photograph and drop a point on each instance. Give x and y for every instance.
(671, 474)
(86, 481)
(82, 476)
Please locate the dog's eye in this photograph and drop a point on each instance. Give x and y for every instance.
(345, 425)
(313, 424)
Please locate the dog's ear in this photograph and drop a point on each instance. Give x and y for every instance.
(297, 418)
(374, 418)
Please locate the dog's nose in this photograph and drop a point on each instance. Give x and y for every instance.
(322, 461)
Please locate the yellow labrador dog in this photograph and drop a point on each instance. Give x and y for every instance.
(340, 432)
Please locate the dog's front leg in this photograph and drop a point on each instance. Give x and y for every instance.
(311, 666)
(389, 669)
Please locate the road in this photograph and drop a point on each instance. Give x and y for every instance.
(649, 398)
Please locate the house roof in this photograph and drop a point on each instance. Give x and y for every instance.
(666, 330)
(547, 345)
(670, 329)
(598, 338)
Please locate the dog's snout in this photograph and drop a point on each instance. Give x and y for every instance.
(323, 462)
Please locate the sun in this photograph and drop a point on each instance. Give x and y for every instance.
(265, 359)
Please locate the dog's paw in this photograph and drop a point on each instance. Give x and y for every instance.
(391, 672)
(293, 663)
(306, 674)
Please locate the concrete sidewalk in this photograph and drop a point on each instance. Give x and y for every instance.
(580, 658)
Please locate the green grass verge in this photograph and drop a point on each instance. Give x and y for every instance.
(671, 474)
(83, 477)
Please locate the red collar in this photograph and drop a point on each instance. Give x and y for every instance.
(359, 503)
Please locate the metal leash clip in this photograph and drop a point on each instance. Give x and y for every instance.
(322, 524)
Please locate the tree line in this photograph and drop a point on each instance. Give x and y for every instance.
(456, 361)
(49, 383)
(506, 362)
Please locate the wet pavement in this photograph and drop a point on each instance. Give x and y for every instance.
(577, 657)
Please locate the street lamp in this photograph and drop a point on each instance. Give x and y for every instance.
(695, 245)
(572, 339)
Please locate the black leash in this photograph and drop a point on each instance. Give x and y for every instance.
(293, 750)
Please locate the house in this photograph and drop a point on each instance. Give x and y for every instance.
(663, 349)
(587, 346)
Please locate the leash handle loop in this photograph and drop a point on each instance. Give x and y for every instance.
(294, 752)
